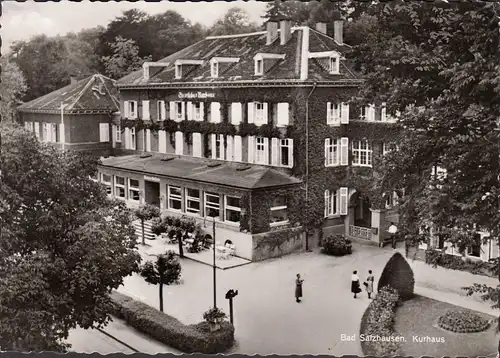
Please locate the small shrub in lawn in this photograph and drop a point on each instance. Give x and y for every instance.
(378, 321)
(463, 322)
(398, 274)
(337, 245)
(193, 338)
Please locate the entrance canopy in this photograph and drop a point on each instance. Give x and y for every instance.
(237, 175)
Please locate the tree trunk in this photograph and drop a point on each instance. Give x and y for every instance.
(179, 240)
(161, 294)
(142, 225)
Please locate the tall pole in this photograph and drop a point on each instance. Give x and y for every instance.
(62, 134)
(214, 267)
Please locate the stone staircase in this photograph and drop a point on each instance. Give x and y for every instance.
(148, 234)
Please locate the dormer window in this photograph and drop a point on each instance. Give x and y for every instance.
(334, 65)
(178, 72)
(215, 69)
(259, 67)
(259, 61)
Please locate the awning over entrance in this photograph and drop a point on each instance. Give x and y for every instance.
(238, 175)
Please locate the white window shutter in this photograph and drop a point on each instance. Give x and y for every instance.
(343, 201)
(189, 106)
(113, 135)
(163, 110)
(327, 203)
(213, 146)
(251, 112)
(344, 151)
(370, 112)
(283, 110)
(221, 147)
(126, 108)
(148, 140)
(265, 119)
(238, 156)
(266, 150)
(62, 134)
(37, 129)
(215, 112)
(290, 153)
(162, 141)
(251, 149)
(329, 119)
(183, 111)
(172, 111)
(103, 132)
(197, 145)
(145, 110)
(344, 115)
(383, 113)
(236, 113)
(327, 145)
(230, 148)
(179, 143)
(202, 111)
(127, 138)
(274, 152)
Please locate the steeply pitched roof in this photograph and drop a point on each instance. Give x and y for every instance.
(303, 40)
(225, 174)
(96, 93)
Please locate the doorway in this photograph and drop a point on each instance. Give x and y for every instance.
(152, 193)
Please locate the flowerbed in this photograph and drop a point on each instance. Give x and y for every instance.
(463, 322)
(378, 320)
(195, 338)
(337, 245)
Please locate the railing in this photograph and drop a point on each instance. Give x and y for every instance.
(360, 232)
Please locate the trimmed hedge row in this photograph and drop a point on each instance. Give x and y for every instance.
(453, 262)
(378, 321)
(195, 338)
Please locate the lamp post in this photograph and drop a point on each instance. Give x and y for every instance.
(229, 296)
(214, 267)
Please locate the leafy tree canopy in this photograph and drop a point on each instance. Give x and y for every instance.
(234, 21)
(125, 58)
(63, 245)
(12, 88)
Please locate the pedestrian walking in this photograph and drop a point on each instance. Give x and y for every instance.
(355, 287)
(393, 229)
(298, 288)
(369, 283)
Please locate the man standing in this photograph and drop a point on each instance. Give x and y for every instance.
(392, 230)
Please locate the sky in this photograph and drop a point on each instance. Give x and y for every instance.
(20, 21)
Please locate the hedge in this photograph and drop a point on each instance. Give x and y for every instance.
(378, 320)
(454, 262)
(398, 274)
(195, 338)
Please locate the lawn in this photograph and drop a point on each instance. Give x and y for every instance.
(418, 317)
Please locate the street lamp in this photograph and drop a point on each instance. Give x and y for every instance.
(229, 296)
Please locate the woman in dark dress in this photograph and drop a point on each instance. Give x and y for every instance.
(298, 288)
(355, 287)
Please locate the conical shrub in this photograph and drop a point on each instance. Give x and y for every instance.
(398, 274)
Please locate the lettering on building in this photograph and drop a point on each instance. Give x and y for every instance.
(155, 179)
(196, 95)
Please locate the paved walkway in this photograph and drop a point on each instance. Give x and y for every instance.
(267, 318)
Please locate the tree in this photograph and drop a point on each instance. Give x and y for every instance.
(297, 11)
(398, 274)
(144, 213)
(234, 21)
(125, 58)
(64, 245)
(437, 64)
(12, 89)
(165, 271)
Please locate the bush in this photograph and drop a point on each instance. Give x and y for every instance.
(378, 320)
(337, 245)
(453, 262)
(398, 274)
(195, 338)
(463, 322)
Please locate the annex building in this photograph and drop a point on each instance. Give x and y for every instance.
(254, 130)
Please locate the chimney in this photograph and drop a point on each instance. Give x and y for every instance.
(338, 30)
(321, 27)
(285, 30)
(272, 30)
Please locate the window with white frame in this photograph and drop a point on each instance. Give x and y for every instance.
(104, 132)
(334, 65)
(212, 205)
(118, 136)
(260, 150)
(174, 198)
(259, 67)
(178, 72)
(389, 201)
(133, 140)
(232, 206)
(120, 187)
(106, 180)
(334, 113)
(178, 111)
(37, 130)
(131, 109)
(193, 201)
(219, 154)
(361, 153)
(286, 152)
(53, 131)
(363, 113)
(197, 115)
(332, 152)
(259, 112)
(133, 189)
(279, 213)
(383, 112)
(215, 69)
(388, 147)
(331, 203)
